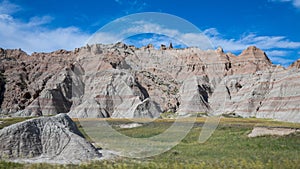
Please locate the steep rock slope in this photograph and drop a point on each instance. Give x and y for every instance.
(46, 139)
(123, 81)
(25, 77)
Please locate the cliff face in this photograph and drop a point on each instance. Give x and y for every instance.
(25, 77)
(122, 81)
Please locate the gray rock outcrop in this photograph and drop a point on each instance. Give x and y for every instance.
(47, 139)
(265, 131)
(117, 80)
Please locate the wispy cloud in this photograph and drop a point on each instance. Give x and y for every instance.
(36, 21)
(154, 39)
(278, 48)
(119, 32)
(132, 6)
(277, 53)
(295, 3)
(32, 36)
(263, 42)
(281, 60)
(280, 57)
(7, 7)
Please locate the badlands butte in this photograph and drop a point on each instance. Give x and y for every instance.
(121, 81)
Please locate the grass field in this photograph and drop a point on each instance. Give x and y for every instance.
(229, 147)
(9, 121)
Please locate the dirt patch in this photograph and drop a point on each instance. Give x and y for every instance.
(264, 131)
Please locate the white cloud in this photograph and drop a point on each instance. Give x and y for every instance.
(277, 53)
(282, 61)
(5, 17)
(279, 56)
(211, 32)
(295, 3)
(8, 8)
(155, 40)
(104, 38)
(132, 6)
(31, 36)
(144, 26)
(278, 48)
(263, 42)
(36, 21)
(119, 31)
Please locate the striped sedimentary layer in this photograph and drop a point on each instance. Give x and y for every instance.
(122, 81)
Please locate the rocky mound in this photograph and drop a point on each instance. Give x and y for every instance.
(46, 139)
(123, 81)
(264, 131)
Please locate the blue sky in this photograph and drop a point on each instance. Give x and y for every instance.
(272, 25)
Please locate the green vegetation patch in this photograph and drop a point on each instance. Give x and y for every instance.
(9, 121)
(229, 147)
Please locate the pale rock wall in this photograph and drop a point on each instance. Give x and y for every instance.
(121, 81)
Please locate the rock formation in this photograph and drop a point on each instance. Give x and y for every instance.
(296, 64)
(26, 77)
(123, 81)
(46, 139)
(265, 131)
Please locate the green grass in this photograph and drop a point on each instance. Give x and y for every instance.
(9, 121)
(10, 165)
(229, 147)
